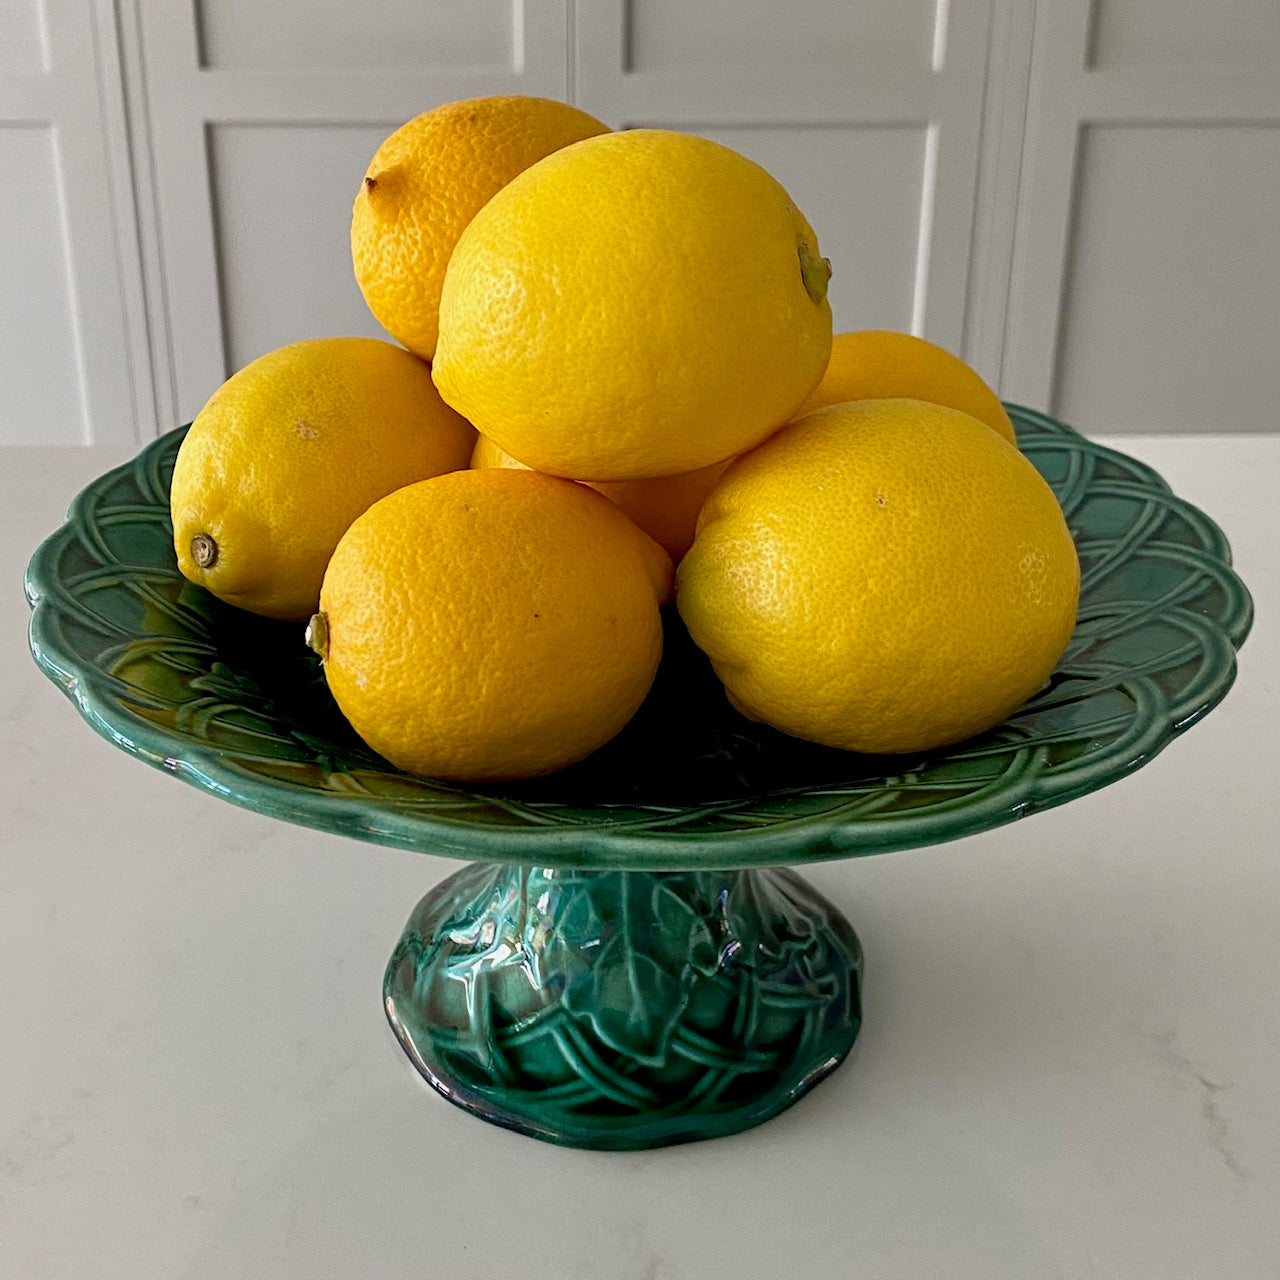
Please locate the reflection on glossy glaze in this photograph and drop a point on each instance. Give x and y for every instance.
(624, 1009)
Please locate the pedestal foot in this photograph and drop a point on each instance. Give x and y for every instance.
(624, 1009)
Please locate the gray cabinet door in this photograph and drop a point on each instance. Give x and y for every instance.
(73, 363)
(1078, 196)
(1145, 289)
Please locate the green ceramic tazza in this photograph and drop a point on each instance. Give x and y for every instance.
(621, 969)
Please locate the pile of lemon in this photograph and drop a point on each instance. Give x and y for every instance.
(616, 357)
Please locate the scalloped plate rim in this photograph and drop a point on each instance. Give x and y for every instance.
(822, 837)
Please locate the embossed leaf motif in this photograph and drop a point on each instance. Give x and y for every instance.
(683, 932)
(778, 928)
(632, 1003)
(641, 1048)
(637, 988)
(563, 931)
(579, 920)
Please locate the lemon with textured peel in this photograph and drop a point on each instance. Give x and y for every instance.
(880, 364)
(289, 451)
(883, 576)
(490, 625)
(427, 181)
(666, 507)
(638, 304)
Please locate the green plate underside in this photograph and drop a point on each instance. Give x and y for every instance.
(237, 705)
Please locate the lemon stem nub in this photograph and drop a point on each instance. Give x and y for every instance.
(380, 191)
(318, 635)
(204, 551)
(816, 274)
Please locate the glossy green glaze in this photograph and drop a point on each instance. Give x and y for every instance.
(237, 705)
(624, 1009)
(648, 991)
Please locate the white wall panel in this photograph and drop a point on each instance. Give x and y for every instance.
(668, 34)
(22, 42)
(438, 34)
(1184, 33)
(1146, 254)
(860, 189)
(1171, 313)
(1076, 195)
(990, 256)
(71, 366)
(40, 394)
(282, 200)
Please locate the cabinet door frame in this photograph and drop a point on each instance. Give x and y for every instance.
(1069, 95)
(1003, 108)
(75, 96)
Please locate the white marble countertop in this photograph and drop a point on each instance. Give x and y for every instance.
(1068, 1066)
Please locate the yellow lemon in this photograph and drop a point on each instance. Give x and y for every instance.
(426, 182)
(666, 507)
(883, 576)
(638, 304)
(289, 451)
(880, 364)
(491, 625)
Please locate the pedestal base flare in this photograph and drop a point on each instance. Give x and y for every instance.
(620, 1010)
